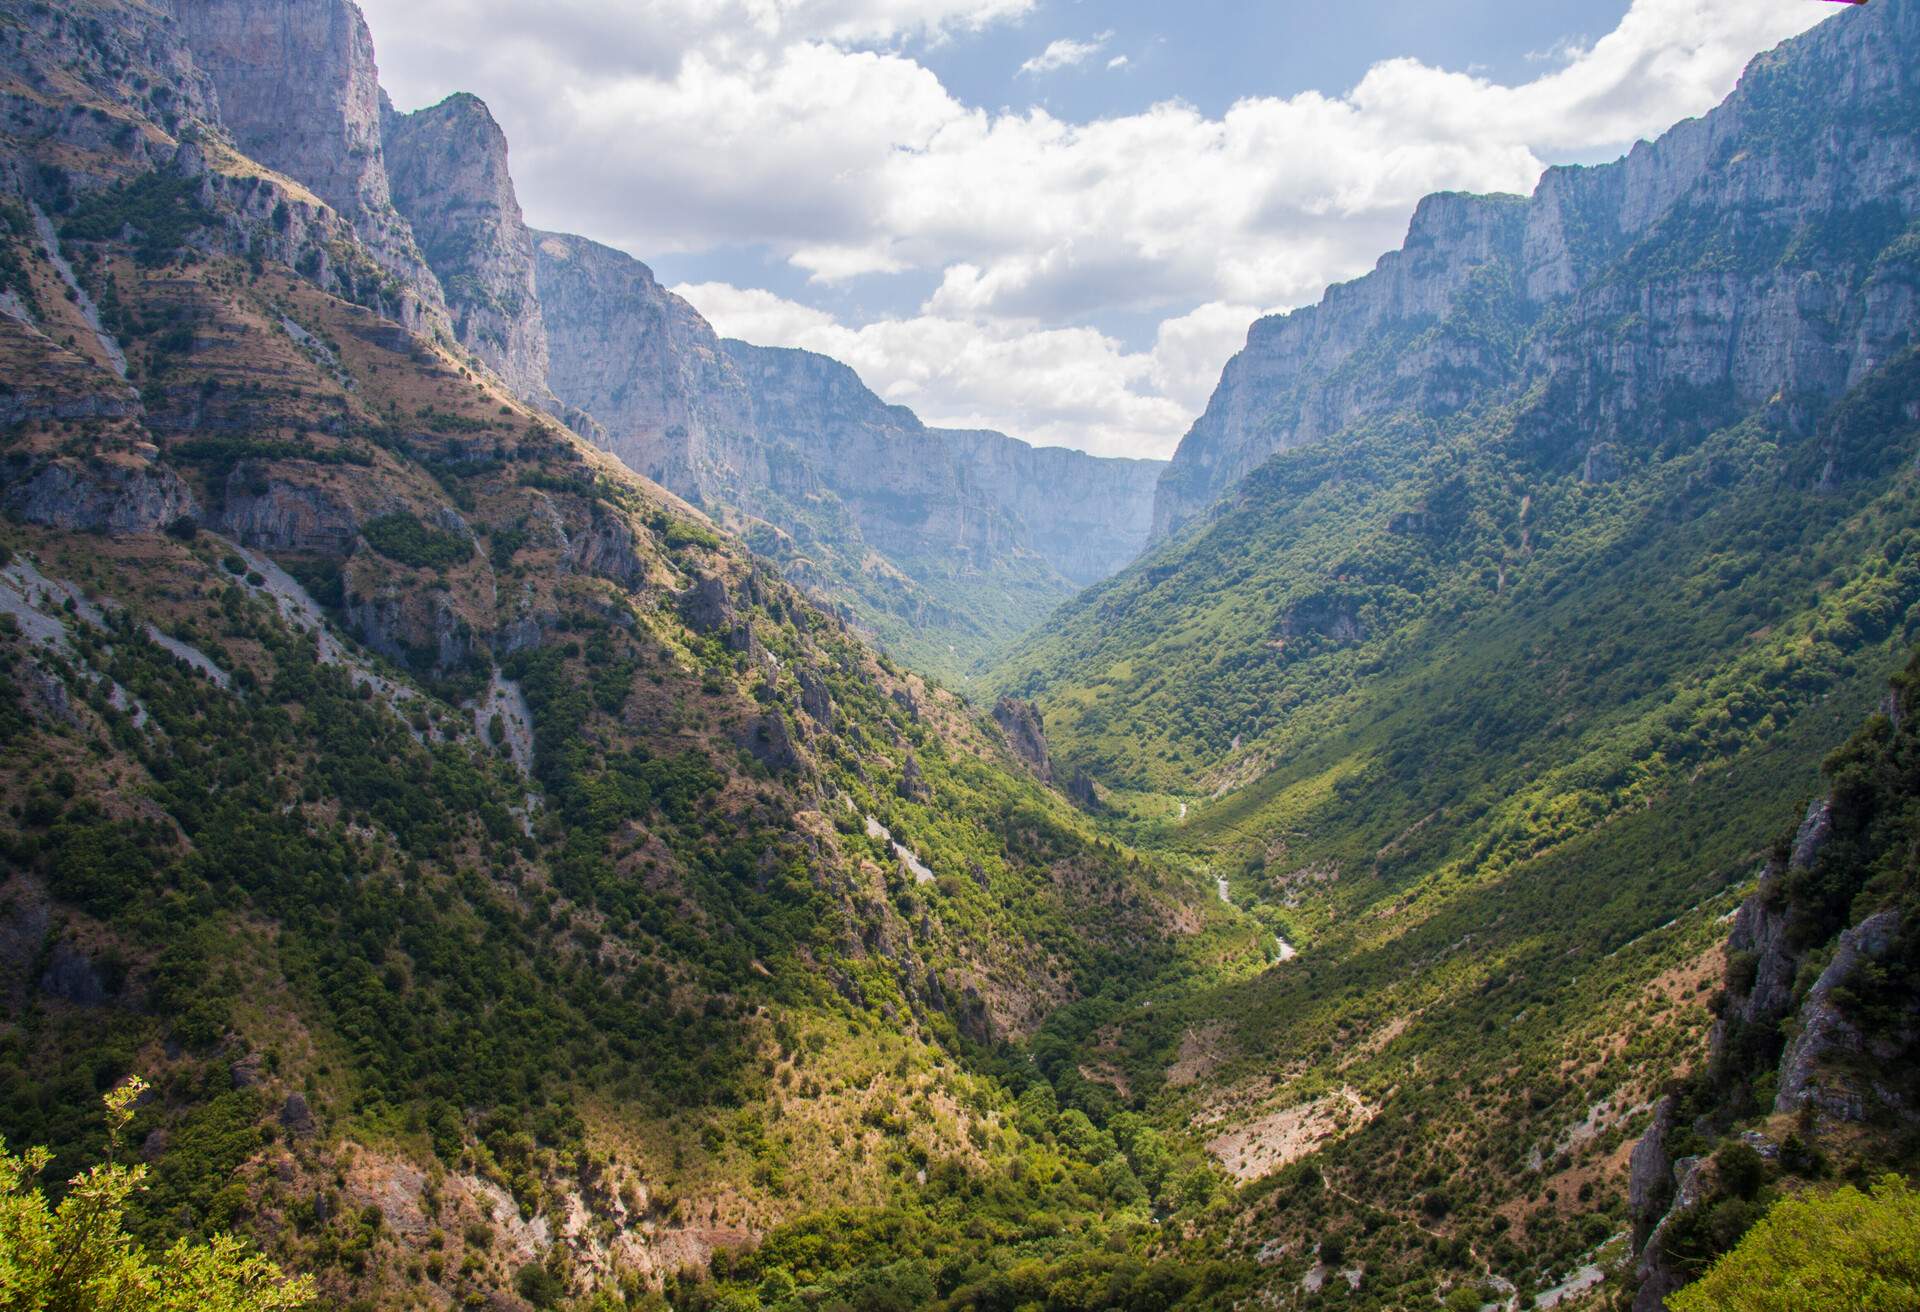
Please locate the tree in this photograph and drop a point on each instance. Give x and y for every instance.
(77, 1256)
(1847, 1249)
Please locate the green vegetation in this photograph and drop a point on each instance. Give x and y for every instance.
(402, 537)
(767, 968)
(1074, 1221)
(161, 210)
(938, 612)
(1494, 736)
(1843, 1249)
(18, 243)
(1865, 865)
(76, 1255)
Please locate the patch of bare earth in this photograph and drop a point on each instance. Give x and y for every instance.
(1267, 1143)
(1202, 1050)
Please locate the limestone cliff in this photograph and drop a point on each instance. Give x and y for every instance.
(448, 170)
(952, 540)
(1728, 262)
(1812, 1052)
(916, 488)
(299, 92)
(645, 365)
(1366, 348)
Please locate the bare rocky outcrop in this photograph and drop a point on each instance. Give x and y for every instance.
(1083, 794)
(607, 549)
(915, 490)
(71, 977)
(706, 606)
(768, 739)
(101, 496)
(298, 89)
(447, 165)
(412, 629)
(1026, 735)
(297, 1116)
(647, 367)
(1650, 1181)
(1762, 935)
(815, 698)
(1655, 1276)
(275, 514)
(1827, 1063)
(913, 783)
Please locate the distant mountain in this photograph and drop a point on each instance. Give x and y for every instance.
(1698, 271)
(1385, 893)
(944, 544)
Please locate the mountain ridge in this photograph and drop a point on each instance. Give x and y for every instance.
(1300, 379)
(430, 196)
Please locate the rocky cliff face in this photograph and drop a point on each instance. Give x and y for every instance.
(448, 170)
(1812, 1051)
(647, 367)
(912, 526)
(126, 63)
(1734, 259)
(1086, 516)
(1365, 348)
(915, 488)
(299, 92)
(1026, 735)
(961, 538)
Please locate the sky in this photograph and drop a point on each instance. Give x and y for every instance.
(1056, 218)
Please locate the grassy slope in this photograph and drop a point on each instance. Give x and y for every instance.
(1503, 826)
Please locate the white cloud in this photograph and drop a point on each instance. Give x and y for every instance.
(761, 317)
(431, 43)
(1065, 53)
(793, 125)
(1051, 386)
(1118, 61)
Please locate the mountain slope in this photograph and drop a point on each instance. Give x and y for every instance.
(519, 892)
(585, 333)
(1810, 1070)
(511, 887)
(1551, 561)
(1689, 274)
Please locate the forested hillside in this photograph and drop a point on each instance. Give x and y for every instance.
(1575, 537)
(511, 889)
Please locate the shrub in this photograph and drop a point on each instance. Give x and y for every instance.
(79, 1255)
(402, 537)
(1847, 1249)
